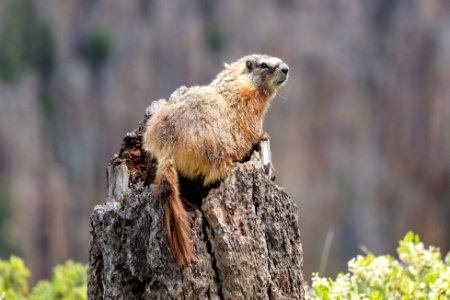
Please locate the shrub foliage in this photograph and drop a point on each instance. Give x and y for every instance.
(69, 282)
(419, 273)
(26, 40)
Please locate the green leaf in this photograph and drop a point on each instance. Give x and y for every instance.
(418, 273)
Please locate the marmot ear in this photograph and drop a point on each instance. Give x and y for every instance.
(249, 64)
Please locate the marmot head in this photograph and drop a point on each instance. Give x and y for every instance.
(267, 72)
(263, 72)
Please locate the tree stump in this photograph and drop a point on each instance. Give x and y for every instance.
(245, 235)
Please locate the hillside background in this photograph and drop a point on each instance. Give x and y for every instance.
(360, 133)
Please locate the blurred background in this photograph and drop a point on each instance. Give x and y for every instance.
(360, 133)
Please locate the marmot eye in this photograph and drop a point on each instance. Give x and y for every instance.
(264, 66)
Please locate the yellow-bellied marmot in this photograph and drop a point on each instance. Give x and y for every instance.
(209, 128)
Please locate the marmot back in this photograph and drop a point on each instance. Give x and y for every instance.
(206, 131)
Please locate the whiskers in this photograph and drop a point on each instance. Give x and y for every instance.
(288, 84)
(282, 96)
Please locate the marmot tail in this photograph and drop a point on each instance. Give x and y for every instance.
(176, 219)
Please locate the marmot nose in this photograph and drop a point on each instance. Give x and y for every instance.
(284, 68)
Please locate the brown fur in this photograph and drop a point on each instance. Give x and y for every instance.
(175, 216)
(209, 128)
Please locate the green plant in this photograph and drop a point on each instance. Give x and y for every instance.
(419, 273)
(5, 210)
(98, 46)
(44, 53)
(69, 282)
(215, 38)
(13, 278)
(26, 40)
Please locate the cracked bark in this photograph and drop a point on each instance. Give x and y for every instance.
(245, 236)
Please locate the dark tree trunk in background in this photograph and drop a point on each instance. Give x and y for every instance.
(245, 237)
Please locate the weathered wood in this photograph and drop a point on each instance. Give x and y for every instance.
(245, 236)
